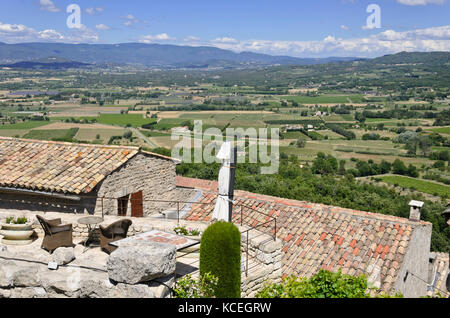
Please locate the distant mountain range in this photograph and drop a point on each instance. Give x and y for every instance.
(40, 55)
(52, 63)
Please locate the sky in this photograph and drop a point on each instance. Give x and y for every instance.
(301, 28)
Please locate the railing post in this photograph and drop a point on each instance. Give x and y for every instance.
(241, 215)
(275, 236)
(246, 258)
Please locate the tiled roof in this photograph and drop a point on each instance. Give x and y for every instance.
(58, 166)
(200, 184)
(316, 236)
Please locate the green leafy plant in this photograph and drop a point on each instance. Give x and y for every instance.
(19, 220)
(220, 255)
(194, 232)
(203, 287)
(181, 230)
(324, 284)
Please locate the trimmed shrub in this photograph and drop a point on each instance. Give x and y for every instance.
(220, 255)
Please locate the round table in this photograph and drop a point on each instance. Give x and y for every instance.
(92, 223)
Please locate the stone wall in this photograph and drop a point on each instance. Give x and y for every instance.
(265, 256)
(155, 177)
(413, 275)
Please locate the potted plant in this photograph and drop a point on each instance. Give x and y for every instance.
(16, 231)
(193, 234)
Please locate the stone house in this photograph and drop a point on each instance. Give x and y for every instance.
(393, 252)
(95, 179)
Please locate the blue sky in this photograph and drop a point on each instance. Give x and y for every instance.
(304, 28)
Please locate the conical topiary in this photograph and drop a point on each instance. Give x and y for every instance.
(220, 255)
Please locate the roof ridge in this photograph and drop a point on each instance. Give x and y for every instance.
(70, 143)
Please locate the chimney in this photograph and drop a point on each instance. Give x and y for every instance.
(414, 214)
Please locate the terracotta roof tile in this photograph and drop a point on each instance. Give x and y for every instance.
(58, 166)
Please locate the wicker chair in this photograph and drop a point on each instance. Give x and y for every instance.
(113, 232)
(56, 234)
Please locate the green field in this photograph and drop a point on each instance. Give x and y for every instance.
(25, 125)
(443, 130)
(134, 120)
(327, 99)
(55, 134)
(91, 134)
(419, 185)
(169, 123)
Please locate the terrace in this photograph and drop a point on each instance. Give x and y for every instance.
(25, 273)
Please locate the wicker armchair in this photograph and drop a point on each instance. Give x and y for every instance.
(113, 232)
(56, 234)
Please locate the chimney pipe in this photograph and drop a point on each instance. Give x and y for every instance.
(416, 206)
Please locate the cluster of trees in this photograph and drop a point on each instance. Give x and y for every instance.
(80, 120)
(227, 101)
(342, 109)
(414, 142)
(371, 136)
(443, 118)
(329, 165)
(203, 107)
(350, 135)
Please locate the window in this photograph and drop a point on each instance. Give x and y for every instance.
(122, 205)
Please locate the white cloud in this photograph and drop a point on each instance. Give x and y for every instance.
(51, 35)
(387, 42)
(329, 39)
(154, 38)
(92, 11)
(225, 40)
(82, 35)
(130, 20)
(13, 33)
(17, 33)
(191, 38)
(102, 27)
(48, 5)
(344, 27)
(420, 2)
